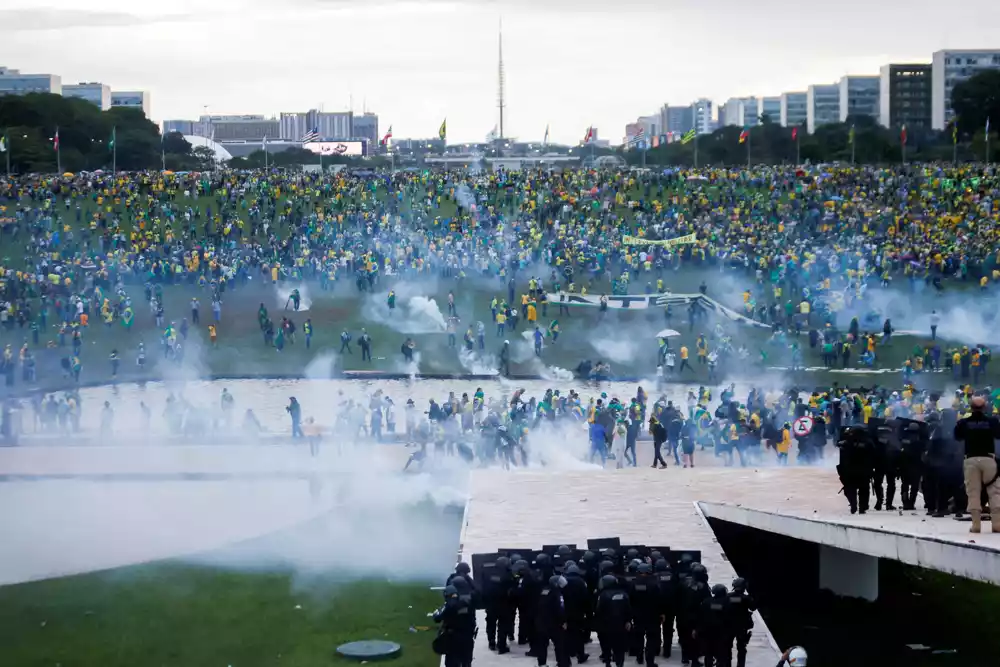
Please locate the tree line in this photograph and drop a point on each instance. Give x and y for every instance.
(859, 138)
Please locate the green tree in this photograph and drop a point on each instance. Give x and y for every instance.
(977, 99)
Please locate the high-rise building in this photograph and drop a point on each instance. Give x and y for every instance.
(294, 126)
(740, 111)
(331, 124)
(859, 96)
(248, 127)
(701, 116)
(12, 82)
(794, 108)
(185, 127)
(95, 93)
(365, 127)
(133, 99)
(823, 106)
(651, 125)
(771, 107)
(905, 96)
(678, 120)
(948, 69)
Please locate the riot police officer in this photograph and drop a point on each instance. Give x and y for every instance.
(913, 441)
(498, 597)
(456, 638)
(613, 619)
(712, 628)
(551, 622)
(578, 604)
(857, 460)
(645, 598)
(526, 596)
(741, 609)
(667, 589)
(887, 452)
(694, 592)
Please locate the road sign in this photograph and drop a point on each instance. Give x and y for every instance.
(802, 427)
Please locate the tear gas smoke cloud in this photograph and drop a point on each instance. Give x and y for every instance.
(283, 297)
(414, 315)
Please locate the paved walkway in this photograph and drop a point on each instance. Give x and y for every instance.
(640, 506)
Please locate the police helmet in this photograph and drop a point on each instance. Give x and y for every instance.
(521, 566)
(605, 566)
(797, 657)
(634, 565)
(461, 584)
(557, 581)
(644, 568)
(687, 558)
(609, 581)
(463, 568)
(589, 556)
(739, 584)
(450, 591)
(719, 590)
(610, 554)
(661, 565)
(503, 562)
(632, 554)
(655, 555)
(516, 557)
(542, 559)
(564, 550)
(571, 568)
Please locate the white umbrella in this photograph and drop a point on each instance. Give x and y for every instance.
(668, 333)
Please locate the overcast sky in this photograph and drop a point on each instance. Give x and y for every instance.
(569, 64)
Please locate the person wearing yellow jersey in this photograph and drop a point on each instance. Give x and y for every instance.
(784, 444)
(685, 362)
(213, 335)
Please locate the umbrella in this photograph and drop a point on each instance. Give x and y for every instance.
(168, 173)
(668, 333)
(68, 174)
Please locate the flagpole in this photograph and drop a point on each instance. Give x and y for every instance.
(58, 153)
(954, 145)
(114, 150)
(696, 137)
(748, 148)
(798, 157)
(987, 141)
(854, 143)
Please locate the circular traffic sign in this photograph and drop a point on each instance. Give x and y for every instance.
(803, 426)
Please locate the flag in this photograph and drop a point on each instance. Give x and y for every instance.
(902, 135)
(850, 136)
(263, 144)
(689, 136)
(111, 141)
(637, 138)
(954, 131)
(443, 131)
(545, 141)
(491, 136)
(744, 135)
(55, 141)
(795, 134)
(3, 143)
(387, 137)
(656, 141)
(589, 137)
(310, 136)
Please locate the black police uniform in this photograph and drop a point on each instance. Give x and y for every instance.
(713, 629)
(498, 599)
(613, 618)
(456, 638)
(578, 605)
(857, 463)
(913, 440)
(667, 589)
(550, 624)
(741, 609)
(694, 592)
(644, 594)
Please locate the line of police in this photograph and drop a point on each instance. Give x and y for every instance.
(951, 461)
(631, 602)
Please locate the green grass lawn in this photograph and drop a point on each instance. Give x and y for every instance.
(165, 615)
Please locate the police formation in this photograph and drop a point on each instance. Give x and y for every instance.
(633, 600)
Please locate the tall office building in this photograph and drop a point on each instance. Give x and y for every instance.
(771, 107)
(132, 99)
(365, 127)
(185, 127)
(293, 125)
(701, 116)
(97, 94)
(332, 124)
(823, 106)
(740, 111)
(859, 96)
(948, 69)
(247, 127)
(12, 82)
(905, 96)
(794, 108)
(678, 120)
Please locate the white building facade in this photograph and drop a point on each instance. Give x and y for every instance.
(950, 68)
(131, 99)
(823, 106)
(794, 108)
(97, 94)
(12, 82)
(859, 96)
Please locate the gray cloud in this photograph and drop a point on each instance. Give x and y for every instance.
(25, 20)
